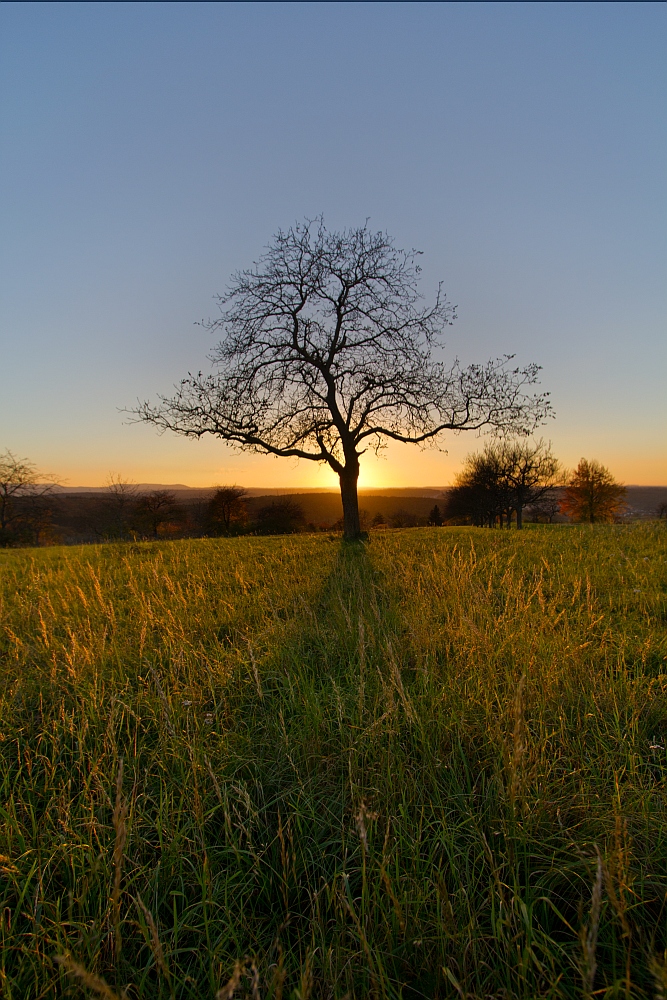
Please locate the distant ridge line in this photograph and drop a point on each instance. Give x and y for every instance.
(266, 490)
(258, 491)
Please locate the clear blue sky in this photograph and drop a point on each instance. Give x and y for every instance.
(150, 149)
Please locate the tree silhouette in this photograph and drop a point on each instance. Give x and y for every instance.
(547, 507)
(529, 473)
(435, 517)
(502, 480)
(478, 493)
(26, 499)
(118, 507)
(327, 351)
(157, 508)
(281, 517)
(592, 494)
(228, 506)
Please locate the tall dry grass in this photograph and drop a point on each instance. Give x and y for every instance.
(433, 766)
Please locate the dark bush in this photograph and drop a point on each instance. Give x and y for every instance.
(281, 517)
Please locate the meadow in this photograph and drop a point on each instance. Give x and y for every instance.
(429, 766)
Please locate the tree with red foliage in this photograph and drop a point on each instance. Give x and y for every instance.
(592, 494)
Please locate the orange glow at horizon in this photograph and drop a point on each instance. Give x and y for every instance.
(397, 467)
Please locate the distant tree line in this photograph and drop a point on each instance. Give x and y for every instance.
(123, 512)
(505, 484)
(227, 514)
(497, 485)
(34, 512)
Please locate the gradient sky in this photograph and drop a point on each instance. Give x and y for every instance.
(149, 150)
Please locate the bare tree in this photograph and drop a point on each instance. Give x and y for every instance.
(157, 508)
(25, 500)
(227, 506)
(529, 473)
(501, 481)
(479, 493)
(592, 494)
(327, 351)
(547, 507)
(118, 506)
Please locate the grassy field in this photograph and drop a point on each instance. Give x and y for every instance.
(432, 766)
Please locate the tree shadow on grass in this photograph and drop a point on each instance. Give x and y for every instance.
(332, 823)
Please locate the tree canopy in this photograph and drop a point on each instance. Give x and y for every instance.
(592, 494)
(327, 351)
(501, 480)
(227, 507)
(25, 500)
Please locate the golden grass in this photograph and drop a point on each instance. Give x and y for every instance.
(432, 766)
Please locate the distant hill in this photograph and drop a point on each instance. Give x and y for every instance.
(644, 498)
(322, 508)
(82, 514)
(142, 487)
(260, 491)
(643, 501)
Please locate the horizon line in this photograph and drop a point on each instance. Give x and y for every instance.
(302, 489)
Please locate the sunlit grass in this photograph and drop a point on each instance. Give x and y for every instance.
(366, 771)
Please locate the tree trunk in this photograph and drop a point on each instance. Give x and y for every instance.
(519, 517)
(348, 493)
